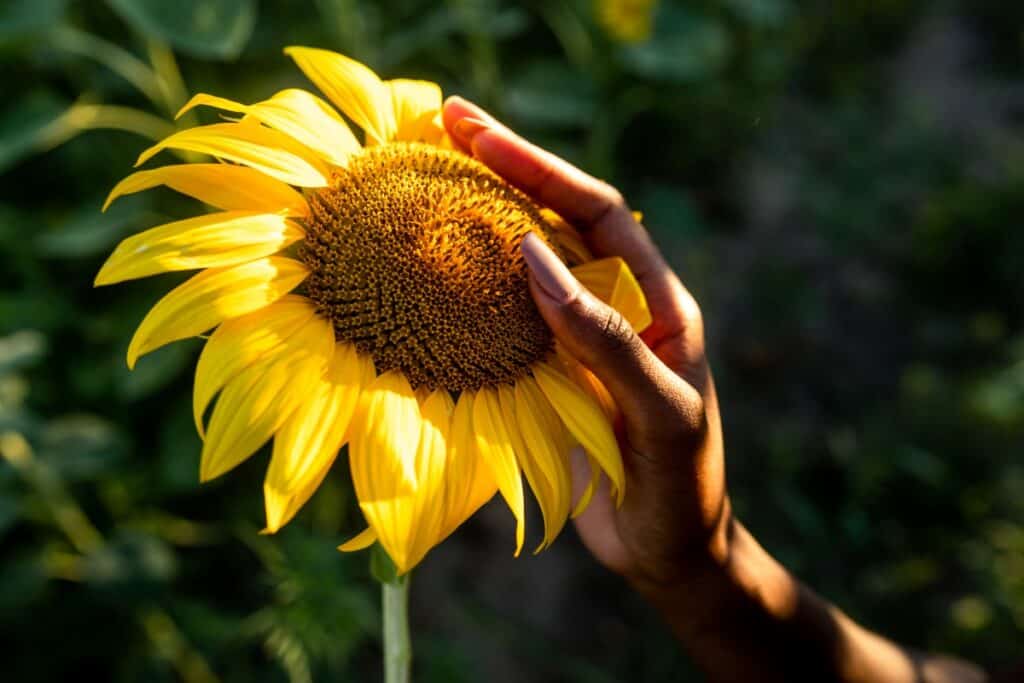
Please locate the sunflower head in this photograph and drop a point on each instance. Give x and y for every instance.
(414, 257)
(371, 293)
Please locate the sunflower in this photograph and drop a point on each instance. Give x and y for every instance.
(371, 294)
(627, 21)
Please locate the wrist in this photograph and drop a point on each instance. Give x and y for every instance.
(731, 581)
(699, 573)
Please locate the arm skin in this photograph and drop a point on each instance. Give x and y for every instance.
(739, 614)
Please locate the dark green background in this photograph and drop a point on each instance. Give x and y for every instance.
(841, 185)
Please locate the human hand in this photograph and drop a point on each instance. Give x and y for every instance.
(675, 510)
(739, 613)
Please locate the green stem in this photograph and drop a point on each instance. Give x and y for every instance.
(397, 647)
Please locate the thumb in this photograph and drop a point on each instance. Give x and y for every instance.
(658, 406)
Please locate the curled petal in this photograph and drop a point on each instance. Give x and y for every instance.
(250, 144)
(361, 541)
(611, 280)
(299, 114)
(585, 421)
(417, 104)
(352, 87)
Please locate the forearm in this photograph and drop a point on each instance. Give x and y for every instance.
(744, 617)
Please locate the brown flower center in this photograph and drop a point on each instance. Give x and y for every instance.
(414, 257)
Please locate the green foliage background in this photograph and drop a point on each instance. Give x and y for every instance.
(841, 184)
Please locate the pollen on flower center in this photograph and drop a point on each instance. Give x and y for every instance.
(414, 257)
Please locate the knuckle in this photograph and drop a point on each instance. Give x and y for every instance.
(610, 204)
(691, 309)
(615, 330)
(614, 197)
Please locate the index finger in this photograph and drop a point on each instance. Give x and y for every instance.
(594, 207)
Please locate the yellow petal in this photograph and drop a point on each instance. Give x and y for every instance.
(250, 144)
(361, 541)
(223, 186)
(240, 342)
(352, 87)
(389, 424)
(384, 437)
(426, 505)
(545, 452)
(211, 241)
(585, 420)
(494, 445)
(541, 487)
(302, 115)
(212, 297)
(383, 458)
(589, 383)
(308, 441)
(468, 481)
(611, 281)
(446, 141)
(256, 403)
(567, 238)
(588, 493)
(284, 509)
(416, 106)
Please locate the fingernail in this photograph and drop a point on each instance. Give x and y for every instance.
(467, 128)
(548, 270)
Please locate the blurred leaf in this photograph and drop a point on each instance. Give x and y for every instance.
(431, 29)
(20, 350)
(686, 47)
(33, 308)
(10, 510)
(439, 24)
(177, 462)
(551, 93)
(217, 29)
(999, 398)
(22, 582)
(117, 59)
(81, 446)
(19, 18)
(761, 13)
(28, 126)
(90, 233)
(154, 371)
(131, 563)
(507, 23)
(444, 661)
(971, 612)
(320, 611)
(922, 465)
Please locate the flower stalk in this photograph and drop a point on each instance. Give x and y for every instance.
(397, 645)
(394, 599)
